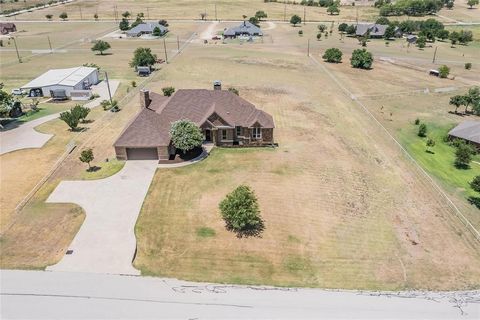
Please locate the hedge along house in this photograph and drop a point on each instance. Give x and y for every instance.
(224, 118)
(69, 83)
(247, 29)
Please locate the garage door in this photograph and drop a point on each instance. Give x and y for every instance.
(142, 154)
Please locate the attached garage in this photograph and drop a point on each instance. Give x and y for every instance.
(142, 154)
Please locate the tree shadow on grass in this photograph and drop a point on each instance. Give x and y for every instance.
(475, 201)
(461, 166)
(94, 169)
(248, 231)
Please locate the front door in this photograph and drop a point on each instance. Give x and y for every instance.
(208, 135)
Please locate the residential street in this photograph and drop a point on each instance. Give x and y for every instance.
(63, 295)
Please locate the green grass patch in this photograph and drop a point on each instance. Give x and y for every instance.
(106, 170)
(293, 239)
(296, 264)
(440, 163)
(46, 109)
(205, 232)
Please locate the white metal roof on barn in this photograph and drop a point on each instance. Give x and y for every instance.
(65, 77)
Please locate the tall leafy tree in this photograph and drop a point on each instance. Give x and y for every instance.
(185, 135)
(71, 119)
(295, 19)
(463, 155)
(86, 156)
(443, 71)
(241, 212)
(472, 3)
(333, 9)
(124, 25)
(333, 55)
(101, 46)
(457, 101)
(143, 57)
(261, 15)
(361, 59)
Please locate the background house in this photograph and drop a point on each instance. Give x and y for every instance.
(7, 27)
(224, 118)
(146, 28)
(244, 29)
(468, 131)
(374, 30)
(62, 82)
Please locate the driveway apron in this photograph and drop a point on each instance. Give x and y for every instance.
(106, 241)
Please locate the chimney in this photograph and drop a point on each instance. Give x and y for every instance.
(217, 85)
(145, 98)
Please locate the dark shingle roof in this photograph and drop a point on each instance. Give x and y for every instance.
(467, 130)
(152, 125)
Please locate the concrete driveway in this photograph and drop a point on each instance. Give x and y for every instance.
(106, 241)
(17, 135)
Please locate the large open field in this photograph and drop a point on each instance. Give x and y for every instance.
(229, 10)
(344, 207)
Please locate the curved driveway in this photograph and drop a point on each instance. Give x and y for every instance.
(24, 136)
(106, 241)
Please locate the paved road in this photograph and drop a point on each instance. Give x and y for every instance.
(17, 135)
(63, 295)
(106, 241)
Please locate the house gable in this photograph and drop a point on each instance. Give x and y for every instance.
(218, 121)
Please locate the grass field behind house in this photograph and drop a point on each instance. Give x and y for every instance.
(441, 163)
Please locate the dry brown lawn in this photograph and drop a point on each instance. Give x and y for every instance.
(342, 205)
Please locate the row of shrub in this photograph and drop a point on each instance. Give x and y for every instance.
(309, 3)
(409, 7)
(38, 5)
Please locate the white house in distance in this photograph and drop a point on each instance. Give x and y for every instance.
(72, 83)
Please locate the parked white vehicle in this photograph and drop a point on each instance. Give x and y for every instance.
(18, 92)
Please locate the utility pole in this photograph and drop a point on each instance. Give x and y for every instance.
(285, 12)
(216, 12)
(304, 15)
(50, 44)
(148, 14)
(115, 14)
(165, 48)
(434, 55)
(16, 49)
(108, 86)
(308, 47)
(178, 43)
(356, 19)
(81, 17)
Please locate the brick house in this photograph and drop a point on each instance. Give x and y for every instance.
(224, 118)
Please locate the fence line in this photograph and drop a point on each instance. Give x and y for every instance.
(452, 205)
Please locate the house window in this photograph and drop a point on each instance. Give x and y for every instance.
(257, 133)
(224, 134)
(239, 131)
